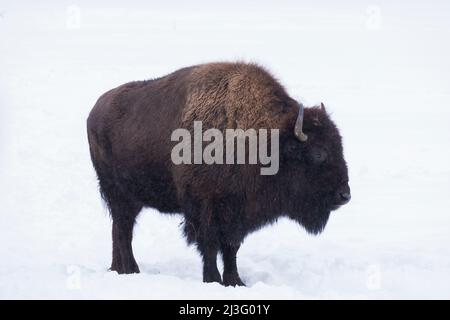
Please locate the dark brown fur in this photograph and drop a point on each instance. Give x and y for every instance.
(129, 133)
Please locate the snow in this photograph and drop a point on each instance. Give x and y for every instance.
(381, 69)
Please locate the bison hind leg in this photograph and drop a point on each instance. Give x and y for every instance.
(123, 261)
(124, 210)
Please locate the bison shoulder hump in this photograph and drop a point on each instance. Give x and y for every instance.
(235, 95)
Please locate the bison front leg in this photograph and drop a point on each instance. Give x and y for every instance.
(199, 228)
(230, 271)
(210, 271)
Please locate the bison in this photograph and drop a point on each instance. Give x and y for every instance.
(129, 133)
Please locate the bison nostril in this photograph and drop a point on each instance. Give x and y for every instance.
(345, 196)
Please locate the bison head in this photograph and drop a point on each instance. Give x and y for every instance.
(314, 170)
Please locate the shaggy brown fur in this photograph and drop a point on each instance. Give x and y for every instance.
(129, 132)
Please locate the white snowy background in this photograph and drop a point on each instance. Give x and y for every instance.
(382, 68)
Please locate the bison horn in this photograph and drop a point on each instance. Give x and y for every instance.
(299, 125)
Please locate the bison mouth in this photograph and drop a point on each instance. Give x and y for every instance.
(335, 207)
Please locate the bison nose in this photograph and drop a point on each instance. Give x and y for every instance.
(342, 195)
(345, 197)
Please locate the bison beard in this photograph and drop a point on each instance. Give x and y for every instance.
(314, 220)
(129, 132)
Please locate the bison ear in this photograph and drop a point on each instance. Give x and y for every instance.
(292, 150)
(316, 122)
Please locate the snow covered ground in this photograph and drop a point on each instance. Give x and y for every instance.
(381, 68)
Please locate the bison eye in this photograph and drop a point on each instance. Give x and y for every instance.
(318, 155)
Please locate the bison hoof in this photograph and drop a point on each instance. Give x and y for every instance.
(127, 270)
(232, 280)
(212, 277)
